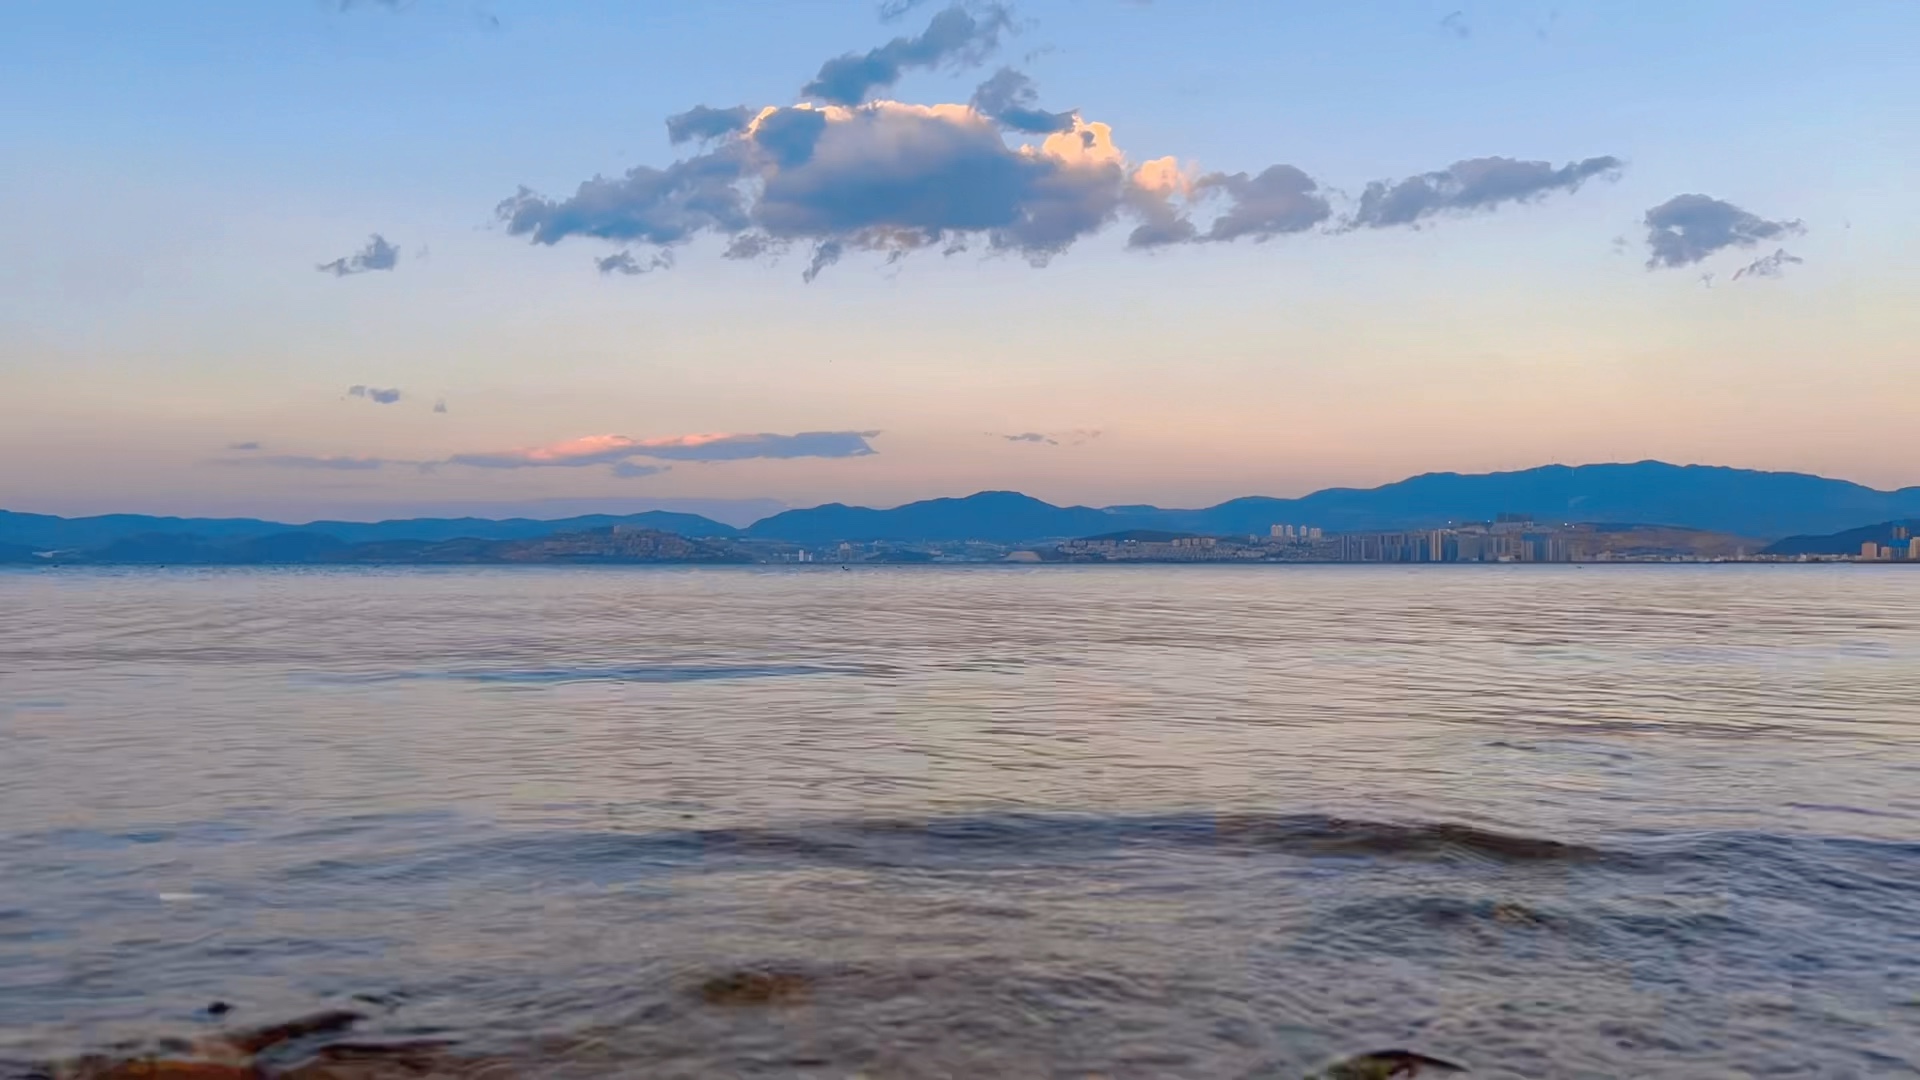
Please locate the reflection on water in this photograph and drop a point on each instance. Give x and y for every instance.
(928, 822)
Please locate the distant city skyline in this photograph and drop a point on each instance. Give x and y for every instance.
(305, 259)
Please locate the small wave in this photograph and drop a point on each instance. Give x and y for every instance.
(894, 843)
(1339, 836)
(666, 674)
(659, 673)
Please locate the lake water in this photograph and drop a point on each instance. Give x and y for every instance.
(1046, 822)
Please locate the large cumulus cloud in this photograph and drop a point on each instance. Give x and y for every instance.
(881, 176)
(841, 174)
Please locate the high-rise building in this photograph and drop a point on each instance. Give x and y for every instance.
(1913, 549)
(1278, 532)
(1869, 550)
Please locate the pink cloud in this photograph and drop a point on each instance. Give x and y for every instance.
(708, 446)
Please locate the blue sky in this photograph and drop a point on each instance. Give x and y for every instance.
(178, 174)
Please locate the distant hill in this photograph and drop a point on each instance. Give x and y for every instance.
(1740, 502)
(45, 532)
(1609, 540)
(1846, 542)
(1003, 517)
(1139, 536)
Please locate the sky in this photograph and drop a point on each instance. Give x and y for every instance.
(375, 258)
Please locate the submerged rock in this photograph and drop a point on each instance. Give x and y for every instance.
(389, 1061)
(1516, 914)
(756, 988)
(147, 1069)
(229, 1056)
(1387, 1065)
(331, 1022)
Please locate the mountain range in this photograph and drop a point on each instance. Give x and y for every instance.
(603, 545)
(1740, 502)
(46, 532)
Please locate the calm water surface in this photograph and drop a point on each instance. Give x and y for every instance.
(1129, 822)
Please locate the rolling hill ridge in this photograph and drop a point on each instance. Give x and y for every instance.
(1740, 502)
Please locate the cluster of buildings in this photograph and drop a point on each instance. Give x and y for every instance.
(1146, 546)
(1905, 547)
(1509, 538)
(618, 542)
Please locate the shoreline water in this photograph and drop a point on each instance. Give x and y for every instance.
(1135, 823)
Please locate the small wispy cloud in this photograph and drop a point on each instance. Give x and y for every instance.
(377, 395)
(602, 449)
(242, 447)
(623, 262)
(719, 446)
(1689, 228)
(377, 255)
(338, 463)
(1768, 266)
(825, 254)
(956, 35)
(1456, 24)
(706, 122)
(891, 10)
(1010, 98)
(1279, 200)
(1478, 184)
(440, 406)
(1042, 438)
(627, 457)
